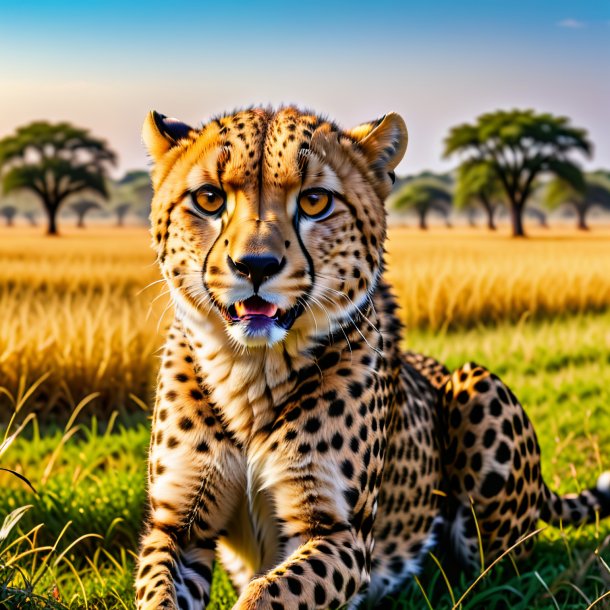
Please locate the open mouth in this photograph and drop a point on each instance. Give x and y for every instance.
(258, 311)
(254, 307)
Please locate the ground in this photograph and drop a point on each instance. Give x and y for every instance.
(537, 312)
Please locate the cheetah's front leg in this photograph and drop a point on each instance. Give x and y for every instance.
(325, 572)
(196, 475)
(324, 496)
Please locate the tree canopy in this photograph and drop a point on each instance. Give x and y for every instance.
(519, 145)
(54, 161)
(596, 191)
(423, 194)
(132, 194)
(121, 210)
(8, 212)
(81, 208)
(477, 184)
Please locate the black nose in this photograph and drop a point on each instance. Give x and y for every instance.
(257, 268)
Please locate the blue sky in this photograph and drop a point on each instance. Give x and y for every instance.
(104, 64)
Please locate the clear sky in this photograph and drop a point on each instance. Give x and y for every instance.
(103, 63)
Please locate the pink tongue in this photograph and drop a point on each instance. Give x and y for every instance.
(255, 306)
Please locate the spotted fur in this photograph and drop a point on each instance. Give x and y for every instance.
(304, 450)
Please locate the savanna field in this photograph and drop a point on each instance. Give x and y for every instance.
(82, 318)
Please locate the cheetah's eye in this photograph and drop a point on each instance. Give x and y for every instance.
(209, 199)
(316, 203)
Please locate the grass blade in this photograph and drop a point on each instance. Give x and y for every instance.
(11, 520)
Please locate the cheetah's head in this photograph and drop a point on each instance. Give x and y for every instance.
(270, 224)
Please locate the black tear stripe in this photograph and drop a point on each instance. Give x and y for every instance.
(311, 270)
(350, 206)
(205, 265)
(220, 168)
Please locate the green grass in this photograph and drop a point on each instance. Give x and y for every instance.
(95, 483)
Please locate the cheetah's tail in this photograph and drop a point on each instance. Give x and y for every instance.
(436, 373)
(574, 509)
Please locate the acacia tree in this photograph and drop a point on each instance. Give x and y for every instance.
(445, 212)
(8, 212)
(539, 215)
(54, 161)
(30, 215)
(478, 185)
(424, 194)
(143, 193)
(596, 192)
(520, 145)
(133, 190)
(121, 211)
(471, 215)
(82, 208)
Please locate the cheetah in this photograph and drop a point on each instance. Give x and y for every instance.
(292, 440)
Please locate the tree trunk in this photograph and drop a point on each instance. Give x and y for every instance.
(422, 220)
(471, 220)
(491, 224)
(516, 216)
(120, 220)
(81, 221)
(581, 212)
(52, 214)
(489, 210)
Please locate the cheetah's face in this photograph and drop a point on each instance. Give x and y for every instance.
(271, 224)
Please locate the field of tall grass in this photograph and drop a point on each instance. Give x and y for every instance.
(450, 279)
(85, 311)
(77, 309)
(78, 344)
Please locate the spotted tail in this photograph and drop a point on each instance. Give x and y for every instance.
(435, 372)
(574, 509)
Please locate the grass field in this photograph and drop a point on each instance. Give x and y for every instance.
(80, 311)
(81, 323)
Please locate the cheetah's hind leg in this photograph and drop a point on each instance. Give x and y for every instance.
(492, 463)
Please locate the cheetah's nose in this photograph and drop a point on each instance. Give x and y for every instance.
(257, 268)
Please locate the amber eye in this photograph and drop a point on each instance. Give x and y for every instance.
(209, 199)
(316, 203)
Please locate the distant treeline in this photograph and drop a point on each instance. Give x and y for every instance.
(518, 160)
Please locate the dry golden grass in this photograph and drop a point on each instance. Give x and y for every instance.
(74, 307)
(447, 278)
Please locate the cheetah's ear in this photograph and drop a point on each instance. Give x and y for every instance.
(160, 133)
(383, 141)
